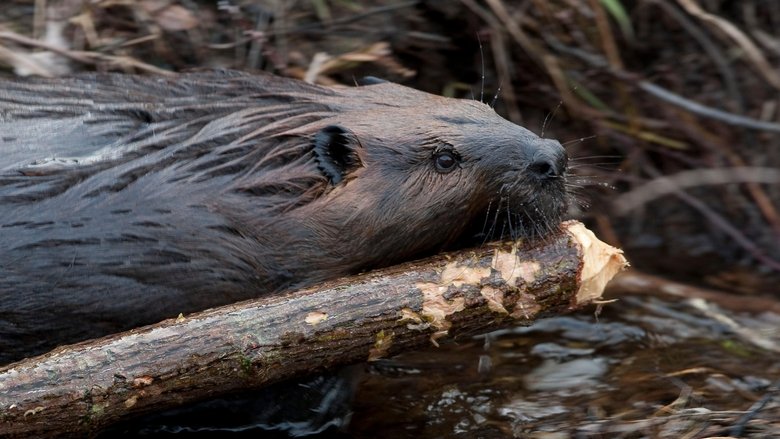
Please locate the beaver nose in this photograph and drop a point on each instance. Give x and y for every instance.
(549, 163)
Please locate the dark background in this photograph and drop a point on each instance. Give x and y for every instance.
(600, 76)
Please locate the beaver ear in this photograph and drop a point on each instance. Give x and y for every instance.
(335, 150)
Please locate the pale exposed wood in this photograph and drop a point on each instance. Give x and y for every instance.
(77, 390)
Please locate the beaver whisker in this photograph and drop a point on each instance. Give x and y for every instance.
(490, 233)
(512, 233)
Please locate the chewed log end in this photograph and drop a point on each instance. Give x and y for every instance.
(600, 262)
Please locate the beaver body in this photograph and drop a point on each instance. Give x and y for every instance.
(125, 200)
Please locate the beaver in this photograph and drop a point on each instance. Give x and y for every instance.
(126, 199)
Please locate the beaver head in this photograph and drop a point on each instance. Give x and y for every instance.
(125, 200)
(410, 173)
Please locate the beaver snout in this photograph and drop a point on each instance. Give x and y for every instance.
(549, 161)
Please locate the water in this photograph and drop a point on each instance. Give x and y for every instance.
(644, 367)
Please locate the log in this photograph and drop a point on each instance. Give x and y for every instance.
(78, 390)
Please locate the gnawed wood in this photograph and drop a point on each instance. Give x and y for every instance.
(77, 390)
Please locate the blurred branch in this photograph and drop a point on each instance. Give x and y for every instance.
(501, 58)
(670, 184)
(84, 57)
(718, 221)
(752, 52)
(659, 92)
(709, 47)
(705, 111)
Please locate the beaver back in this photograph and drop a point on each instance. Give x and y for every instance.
(125, 200)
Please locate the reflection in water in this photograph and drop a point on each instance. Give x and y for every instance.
(644, 367)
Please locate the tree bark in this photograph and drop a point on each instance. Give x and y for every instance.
(77, 390)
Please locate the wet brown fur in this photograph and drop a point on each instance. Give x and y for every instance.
(125, 200)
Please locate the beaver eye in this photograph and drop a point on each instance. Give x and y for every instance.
(445, 161)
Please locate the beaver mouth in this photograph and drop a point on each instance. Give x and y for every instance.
(522, 211)
(536, 213)
(535, 220)
(532, 197)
